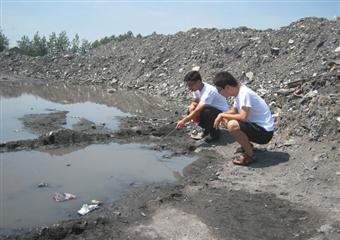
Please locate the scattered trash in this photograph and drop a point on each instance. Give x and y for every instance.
(289, 142)
(338, 118)
(250, 75)
(337, 173)
(60, 197)
(42, 184)
(96, 202)
(143, 214)
(111, 90)
(85, 209)
(117, 213)
(196, 68)
(275, 51)
(298, 91)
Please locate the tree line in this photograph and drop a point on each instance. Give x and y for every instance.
(59, 43)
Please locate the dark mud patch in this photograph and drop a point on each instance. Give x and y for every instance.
(84, 133)
(189, 212)
(44, 122)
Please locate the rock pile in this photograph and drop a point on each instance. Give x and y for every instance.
(295, 68)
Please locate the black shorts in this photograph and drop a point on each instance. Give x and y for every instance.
(255, 133)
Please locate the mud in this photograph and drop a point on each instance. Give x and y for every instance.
(290, 193)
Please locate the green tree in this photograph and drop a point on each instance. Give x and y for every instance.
(25, 45)
(62, 42)
(39, 45)
(95, 44)
(3, 41)
(52, 43)
(85, 46)
(75, 44)
(124, 36)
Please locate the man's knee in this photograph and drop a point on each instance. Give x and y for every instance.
(233, 125)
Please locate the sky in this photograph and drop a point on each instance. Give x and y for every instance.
(95, 19)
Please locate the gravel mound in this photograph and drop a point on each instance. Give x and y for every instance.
(295, 68)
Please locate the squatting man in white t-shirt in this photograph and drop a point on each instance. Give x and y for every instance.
(249, 120)
(206, 104)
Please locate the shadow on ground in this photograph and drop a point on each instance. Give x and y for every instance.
(269, 158)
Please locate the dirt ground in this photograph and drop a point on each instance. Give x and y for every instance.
(291, 192)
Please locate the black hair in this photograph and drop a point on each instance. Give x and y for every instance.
(224, 78)
(193, 76)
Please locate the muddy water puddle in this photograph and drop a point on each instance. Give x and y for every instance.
(92, 103)
(101, 172)
(15, 108)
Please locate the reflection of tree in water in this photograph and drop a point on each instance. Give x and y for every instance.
(62, 150)
(126, 101)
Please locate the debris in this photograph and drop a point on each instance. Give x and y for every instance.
(289, 142)
(326, 228)
(42, 184)
(85, 209)
(60, 197)
(275, 51)
(250, 75)
(117, 213)
(338, 173)
(298, 91)
(196, 68)
(93, 201)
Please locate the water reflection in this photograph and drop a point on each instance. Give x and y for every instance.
(126, 101)
(99, 172)
(92, 103)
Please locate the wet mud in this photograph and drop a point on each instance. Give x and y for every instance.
(289, 193)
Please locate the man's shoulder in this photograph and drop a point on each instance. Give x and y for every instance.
(210, 89)
(245, 90)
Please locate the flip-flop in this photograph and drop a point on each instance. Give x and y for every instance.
(243, 160)
(241, 150)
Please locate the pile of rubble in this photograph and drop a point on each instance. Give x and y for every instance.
(295, 68)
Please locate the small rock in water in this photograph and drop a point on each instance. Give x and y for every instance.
(42, 184)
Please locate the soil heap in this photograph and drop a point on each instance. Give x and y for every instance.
(295, 68)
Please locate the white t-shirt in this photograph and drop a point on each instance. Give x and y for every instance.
(259, 111)
(210, 96)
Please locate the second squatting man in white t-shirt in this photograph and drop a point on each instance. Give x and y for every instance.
(249, 120)
(206, 104)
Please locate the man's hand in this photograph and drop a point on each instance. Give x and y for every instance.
(192, 106)
(217, 121)
(180, 124)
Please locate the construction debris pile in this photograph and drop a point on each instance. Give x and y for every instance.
(295, 68)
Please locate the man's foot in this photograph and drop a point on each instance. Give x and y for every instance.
(210, 139)
(241, 150)
(243, 160)
(197, 134)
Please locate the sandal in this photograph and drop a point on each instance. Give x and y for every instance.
(241, 150)
(243, 160)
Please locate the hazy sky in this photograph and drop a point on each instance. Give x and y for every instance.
(94, 19)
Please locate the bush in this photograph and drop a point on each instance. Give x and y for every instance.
(3, 41)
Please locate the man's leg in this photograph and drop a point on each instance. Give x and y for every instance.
(234, 129)
(207, 118)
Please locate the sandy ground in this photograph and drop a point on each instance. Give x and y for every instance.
(291, 192)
